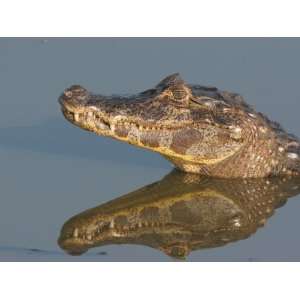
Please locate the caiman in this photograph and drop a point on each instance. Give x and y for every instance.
(199, 129)
(181, 213)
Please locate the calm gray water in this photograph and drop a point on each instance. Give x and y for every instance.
(51, 170)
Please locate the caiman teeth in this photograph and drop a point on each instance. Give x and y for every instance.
(89, 235)
(112, 224)
(75, 233)
(76, 117)
(103, 122)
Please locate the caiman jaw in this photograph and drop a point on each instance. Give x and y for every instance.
(117, 126)
(122, 121)
(88, 120)
(155, 136)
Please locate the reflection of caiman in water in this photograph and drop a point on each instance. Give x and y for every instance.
(181, 213)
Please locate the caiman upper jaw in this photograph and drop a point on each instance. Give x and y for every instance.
(74, 98)
(75, 107)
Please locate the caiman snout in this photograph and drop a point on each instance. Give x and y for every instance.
(74, 98)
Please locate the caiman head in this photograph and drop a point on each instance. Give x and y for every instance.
(181, 213)
(191, 125)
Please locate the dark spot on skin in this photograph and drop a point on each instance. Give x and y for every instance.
(224, 137)
(197, 114)
(150, 140)
(149, 213)
(121, 131)
(184, 139)
(183, 214)
(121, 220)
(223, 119)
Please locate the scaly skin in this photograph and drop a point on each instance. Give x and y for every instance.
(199, 129)
(180, 213)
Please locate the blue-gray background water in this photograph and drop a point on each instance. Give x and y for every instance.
(51, 170)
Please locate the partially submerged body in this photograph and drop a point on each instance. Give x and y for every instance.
(199, 129)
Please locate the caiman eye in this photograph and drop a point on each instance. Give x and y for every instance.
(179, 94)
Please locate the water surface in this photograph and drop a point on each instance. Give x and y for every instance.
(51, 171)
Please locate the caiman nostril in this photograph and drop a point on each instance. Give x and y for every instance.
(68, 93)
(74, 96)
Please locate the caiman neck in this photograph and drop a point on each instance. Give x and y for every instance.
(259, 156)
